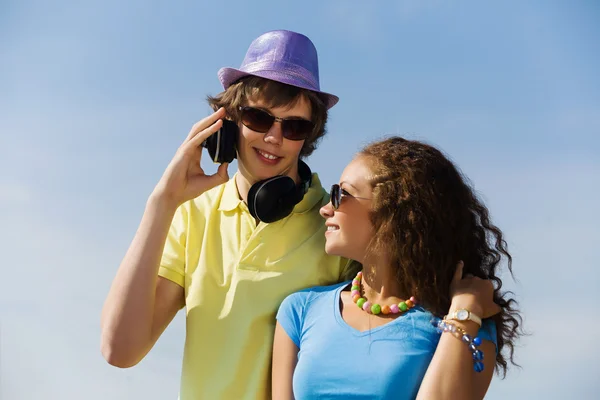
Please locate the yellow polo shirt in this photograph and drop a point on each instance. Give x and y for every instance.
(235, 274)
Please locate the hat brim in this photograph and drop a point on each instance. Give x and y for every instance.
(227, 76)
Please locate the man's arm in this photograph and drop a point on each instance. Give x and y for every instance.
(140, 304)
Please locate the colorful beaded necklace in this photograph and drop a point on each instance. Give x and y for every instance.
(366, 305)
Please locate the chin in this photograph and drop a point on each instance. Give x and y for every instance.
(253, 172)
(261, 172)
(333, 250)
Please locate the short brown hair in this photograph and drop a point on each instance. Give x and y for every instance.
(275, 94)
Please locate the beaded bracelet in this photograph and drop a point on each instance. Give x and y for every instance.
(457, 331)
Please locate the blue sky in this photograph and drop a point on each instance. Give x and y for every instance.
(96, 97)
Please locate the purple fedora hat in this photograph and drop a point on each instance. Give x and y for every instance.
(282, 56)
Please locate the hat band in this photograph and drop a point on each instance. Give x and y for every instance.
(284, 68)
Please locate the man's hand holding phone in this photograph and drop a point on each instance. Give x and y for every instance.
(184, 179)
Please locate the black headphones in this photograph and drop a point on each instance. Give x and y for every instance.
(271, 199)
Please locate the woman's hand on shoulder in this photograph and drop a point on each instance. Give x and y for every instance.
(473, 293)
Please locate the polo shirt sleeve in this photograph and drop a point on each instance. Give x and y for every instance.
(291, 315)
(172, 263)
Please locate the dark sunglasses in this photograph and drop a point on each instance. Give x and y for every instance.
(337, 194)
(261, 121)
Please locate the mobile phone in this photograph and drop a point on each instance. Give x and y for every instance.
(221, 145)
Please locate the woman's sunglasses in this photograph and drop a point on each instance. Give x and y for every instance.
(337, 194)
(261, 121)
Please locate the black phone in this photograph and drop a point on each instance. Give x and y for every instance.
(221, 145)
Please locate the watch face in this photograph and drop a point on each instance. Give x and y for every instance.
(462, 315)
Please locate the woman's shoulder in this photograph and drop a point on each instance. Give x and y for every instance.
(306, 297)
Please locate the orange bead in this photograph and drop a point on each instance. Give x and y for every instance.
(355, 298)
(409, 303)
(386, 310)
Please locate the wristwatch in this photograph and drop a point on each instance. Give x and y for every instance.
(464, 315)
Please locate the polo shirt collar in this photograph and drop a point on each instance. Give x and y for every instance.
(313, 196)
(230, 198)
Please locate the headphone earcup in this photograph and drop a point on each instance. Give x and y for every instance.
(221, 145)
(272, 199)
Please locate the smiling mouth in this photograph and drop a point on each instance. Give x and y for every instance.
(266, 155)
(332, 228)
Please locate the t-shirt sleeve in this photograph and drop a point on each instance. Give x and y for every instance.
(488, 332)
(172, 263)
(291, 315)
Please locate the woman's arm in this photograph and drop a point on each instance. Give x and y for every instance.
(450, 374)
(285, 357)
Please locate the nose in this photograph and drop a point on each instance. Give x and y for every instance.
(326, 211)
(275, 134)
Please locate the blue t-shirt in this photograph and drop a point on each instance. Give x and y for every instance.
(336, 361)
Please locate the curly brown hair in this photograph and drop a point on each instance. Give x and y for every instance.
(275, 94)
(425, 207)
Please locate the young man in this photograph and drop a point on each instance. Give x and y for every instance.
(202, 243)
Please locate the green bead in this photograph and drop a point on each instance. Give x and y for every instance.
(360, 302)
(375, 308)
(403, 306)
(355, 288)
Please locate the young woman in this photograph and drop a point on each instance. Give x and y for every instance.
(427, 249)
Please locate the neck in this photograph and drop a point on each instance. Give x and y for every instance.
(243, 186)
(380, 283)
